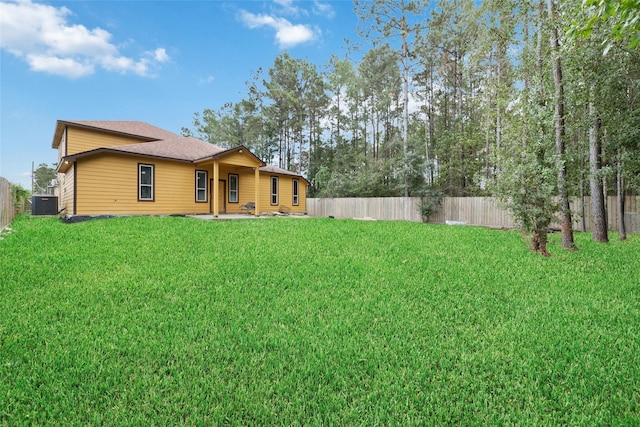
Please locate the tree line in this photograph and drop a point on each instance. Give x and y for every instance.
(533, 101)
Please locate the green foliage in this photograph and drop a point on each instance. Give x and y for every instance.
(42, 176)
(622, 17)
(20, 194)
(467, 67)
(526, 188)
(430, 202)
(178, 321)
(527, 182)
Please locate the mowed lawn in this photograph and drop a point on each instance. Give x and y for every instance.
(283, 321)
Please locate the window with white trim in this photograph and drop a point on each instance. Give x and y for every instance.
(201, 186)
(274, 190)
(145, 182)
(233, 188)
(295, 191)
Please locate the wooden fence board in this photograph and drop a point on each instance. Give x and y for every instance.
(7, 210)
(483, 211)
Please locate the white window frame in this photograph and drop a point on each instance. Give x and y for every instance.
(198, 189)
(151, 168)
(274, 194)
(234, 191)
(295, 191)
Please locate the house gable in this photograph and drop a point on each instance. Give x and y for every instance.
(237, 156)
(79, 140)
(139, 131)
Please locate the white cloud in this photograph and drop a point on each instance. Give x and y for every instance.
(284, 3)
(288, 7)
(206, 80)
(160, 55)
(60, 66)
(43, 37)
(323, 9)
(287, 34)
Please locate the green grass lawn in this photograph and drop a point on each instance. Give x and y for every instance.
(164, 321)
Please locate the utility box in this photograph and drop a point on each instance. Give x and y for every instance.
(44, 205)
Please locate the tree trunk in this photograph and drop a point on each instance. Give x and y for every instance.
(432, 127)
(338, 114)
(405, 102)
(583, 209)
(597, 194)
(563, 194)
(539, 240)
(621, 199)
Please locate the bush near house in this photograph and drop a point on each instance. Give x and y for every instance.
(163, 320)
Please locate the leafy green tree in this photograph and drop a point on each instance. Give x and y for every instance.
(42, 177)
(381, 82)
(502, 101)
(388, 20)
(315, 104)
(527, 159)
(623, 17)
(560, 134)
(528, 178)
(20, 195)
(453, 36)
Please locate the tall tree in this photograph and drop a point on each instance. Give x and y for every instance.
(388, 20)
(42, 177)
(598, 207)
(563, 192)
(285, 112)
(527, 180)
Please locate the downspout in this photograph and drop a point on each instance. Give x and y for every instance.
(75, 187)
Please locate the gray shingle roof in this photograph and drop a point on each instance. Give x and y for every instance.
(179, 148)
(156, 142)
(280, 171)
(134, 128)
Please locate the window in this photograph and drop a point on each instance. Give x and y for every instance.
(296, 198)
(145, 182)
(201, 186)
(274, 190)
(233, 188)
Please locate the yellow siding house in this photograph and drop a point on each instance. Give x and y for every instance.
(129, 167)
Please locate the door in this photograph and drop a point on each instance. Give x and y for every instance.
(222, 196)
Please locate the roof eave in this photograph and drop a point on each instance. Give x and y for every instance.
(57, 134)
(113, 150)
(291, 174)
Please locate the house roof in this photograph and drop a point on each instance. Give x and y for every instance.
(280, 171)
(239, 148)
(179, 148)
(157, 143)
(141, 130)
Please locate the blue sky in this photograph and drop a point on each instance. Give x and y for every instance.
(153, 61)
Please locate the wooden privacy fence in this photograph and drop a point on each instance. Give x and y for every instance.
(7, 209)
(483, 211)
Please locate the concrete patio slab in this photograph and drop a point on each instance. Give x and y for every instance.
(225, 216)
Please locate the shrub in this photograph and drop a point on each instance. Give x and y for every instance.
(430, 202)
